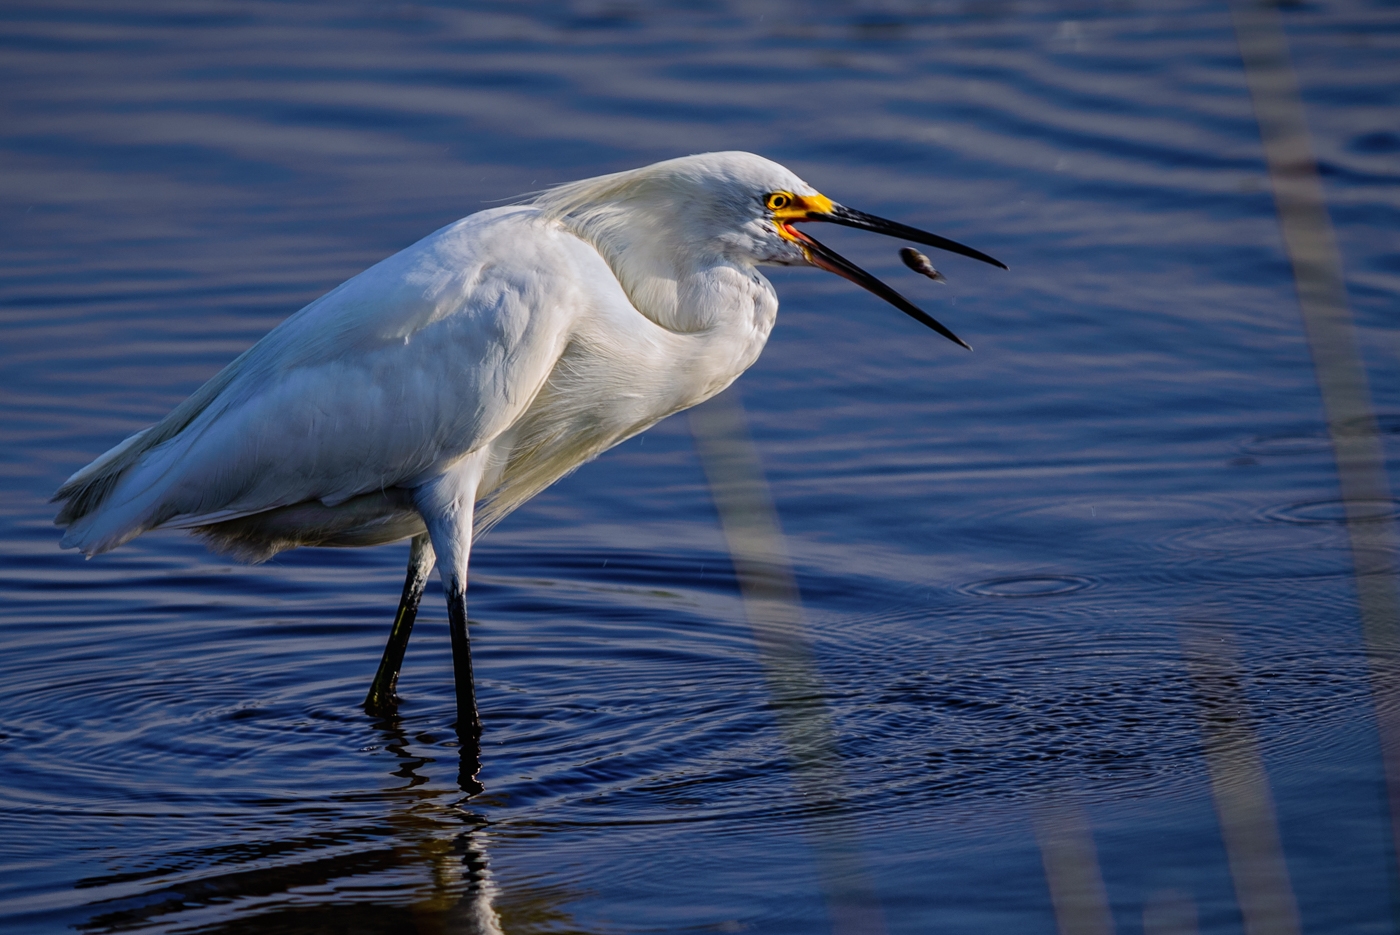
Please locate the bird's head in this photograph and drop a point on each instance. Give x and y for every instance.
(733, 206)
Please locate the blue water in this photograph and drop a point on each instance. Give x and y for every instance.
(997, 551)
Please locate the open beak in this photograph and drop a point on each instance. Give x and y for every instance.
(819, 208)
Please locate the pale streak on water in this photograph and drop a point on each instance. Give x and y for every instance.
(994, 549)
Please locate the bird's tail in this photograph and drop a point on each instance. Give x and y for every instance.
(86, 490)
(95, 519)
(94, 522)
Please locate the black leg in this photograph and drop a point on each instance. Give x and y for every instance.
(446, 505)
(468, 720)
(381, 699)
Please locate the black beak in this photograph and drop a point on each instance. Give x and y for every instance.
(828, 259)
(850, 217)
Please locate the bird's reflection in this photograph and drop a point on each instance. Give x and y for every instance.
(469, 764)
(425, 857)
(460, 894)
(387, 720)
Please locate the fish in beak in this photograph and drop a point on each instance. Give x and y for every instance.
(789, 209)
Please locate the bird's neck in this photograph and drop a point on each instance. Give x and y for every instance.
(681, 284)
(717, 311)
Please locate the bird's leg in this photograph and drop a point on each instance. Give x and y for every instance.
(381, 699)
(468, 720)
(446, 505)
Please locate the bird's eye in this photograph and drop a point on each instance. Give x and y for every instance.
(778, 201)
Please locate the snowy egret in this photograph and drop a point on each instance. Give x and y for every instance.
(438, 390)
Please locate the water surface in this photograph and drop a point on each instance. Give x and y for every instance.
(997, 551)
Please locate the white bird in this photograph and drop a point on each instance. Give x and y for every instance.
(441, 388)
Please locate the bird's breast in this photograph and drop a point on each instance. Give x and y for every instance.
(619, 374)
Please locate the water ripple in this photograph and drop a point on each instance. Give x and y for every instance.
(1327, 512)
(996, 551)
(1017, 586)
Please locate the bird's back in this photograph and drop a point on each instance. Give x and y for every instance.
(409, 365)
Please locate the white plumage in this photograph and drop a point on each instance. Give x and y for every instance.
(444, 386)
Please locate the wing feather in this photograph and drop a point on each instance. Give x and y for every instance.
(382, 382)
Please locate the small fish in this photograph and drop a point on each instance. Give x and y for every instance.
(920, 264)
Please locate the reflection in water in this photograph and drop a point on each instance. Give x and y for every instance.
(773, 607)
(1072, 870)
(1169, 912)
(1239, 784)
(1311, 244)
(357, 867)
